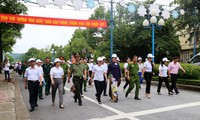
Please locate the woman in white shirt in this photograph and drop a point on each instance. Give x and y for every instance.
(147, 74)
(125, 73)
(163, 76)
(98, 74)
(6, 67)
(57, 75)
(141, 66)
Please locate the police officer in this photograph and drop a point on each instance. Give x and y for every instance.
(132, 76)
(46, 68)
(65, 67)
(87, 73)
(79, 74)
(32, 74)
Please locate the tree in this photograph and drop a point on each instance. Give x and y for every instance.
(189, 22)
(9, 32)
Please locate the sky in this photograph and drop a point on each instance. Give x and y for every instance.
(41, 36)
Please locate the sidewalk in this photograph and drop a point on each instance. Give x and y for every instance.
(12, 106)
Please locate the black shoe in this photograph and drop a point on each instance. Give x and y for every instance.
(177, 92)
(75, 100)
(32, 109)
(159, 93)
(137, 98)
(170, 93)
(80, 103)
(85, 90)
(46, 94)
(126, 95)
(41, 98)
(105, 95)
(63, 92)
(100, 102)
(36, 105)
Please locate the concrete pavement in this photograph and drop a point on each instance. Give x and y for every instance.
(184, 106)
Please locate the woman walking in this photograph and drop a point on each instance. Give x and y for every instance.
(98, 74)
(125, 73)
(163, 69)
(57, 75)
(141, 66)
(148, 73)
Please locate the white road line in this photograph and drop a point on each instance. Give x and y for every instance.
(120, 113)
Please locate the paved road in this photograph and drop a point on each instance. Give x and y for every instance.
(184, 106)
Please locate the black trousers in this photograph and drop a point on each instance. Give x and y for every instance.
(165, 79)
(174, 80)
(78, 83)
(99, 85)
(148, 78)
(104, 86)
(33, 92)
(7, 74)
(127, 83)
(90, 75)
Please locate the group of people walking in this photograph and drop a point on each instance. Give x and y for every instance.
(82, 73)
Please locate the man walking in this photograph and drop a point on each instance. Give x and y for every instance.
(38, 65)
(46, 68)
(65, 67)
(132, 76)
(105, 66)
(32, 74)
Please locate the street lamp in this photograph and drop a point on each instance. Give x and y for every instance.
(152, 23)
(53, 52)
(195, 14)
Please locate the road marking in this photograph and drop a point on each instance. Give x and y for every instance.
(133, 115)
(120, 113)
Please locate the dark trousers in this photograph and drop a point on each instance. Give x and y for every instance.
(90, 74)
(148, 78)
(7, 74)
(58, 85)
(48, 84)
(99, 85)
(127, 83)
(104, 86)
(165, 79)
(78, 83)
(64, 82)
(110, 89)
(174, 80)
(33, 92)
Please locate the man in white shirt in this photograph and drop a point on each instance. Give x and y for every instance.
(91, 65)
(6, 68)
(33, 78)
(38, 65)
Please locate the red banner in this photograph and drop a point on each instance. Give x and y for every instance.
(22, 19)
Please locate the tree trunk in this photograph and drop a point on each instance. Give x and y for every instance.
(1, 53)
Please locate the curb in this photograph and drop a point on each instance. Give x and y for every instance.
(20, 107)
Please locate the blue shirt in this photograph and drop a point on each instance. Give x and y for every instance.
(114, 69)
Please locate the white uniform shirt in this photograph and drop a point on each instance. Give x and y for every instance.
(7, 67)
(163, 70)
(105, 66)
(141, 66)
(98, 72)
(148, 66)
(32, 74)
(125, 65)
(90, 66)
(57, 72)
(41, 70)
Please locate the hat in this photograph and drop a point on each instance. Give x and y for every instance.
(139, 58)
(99, 59)
(165, 59)
(38, 61)
(103, 57)
(114, 55)
(77, 54)
(31, 59)
(118, 59)
(150, 55)
(92, 60)
(57, 60)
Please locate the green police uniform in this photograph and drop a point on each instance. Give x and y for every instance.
(134, 78)
(77, 69)
(65, 68)
(46, 68)
(85, 81)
